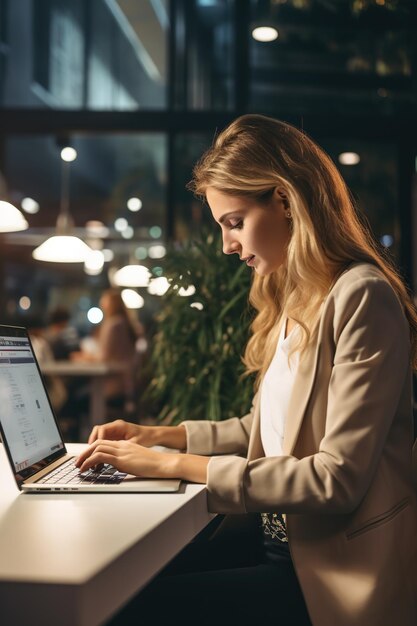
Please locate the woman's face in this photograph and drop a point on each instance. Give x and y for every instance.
(258, 233)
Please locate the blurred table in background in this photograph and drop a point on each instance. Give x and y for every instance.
(97, 374)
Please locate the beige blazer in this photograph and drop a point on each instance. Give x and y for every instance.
(344, 480)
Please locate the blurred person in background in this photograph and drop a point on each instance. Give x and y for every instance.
(116, 340)
(61, 335)
(56, 388)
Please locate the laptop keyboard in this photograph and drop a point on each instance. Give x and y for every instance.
(68, 473)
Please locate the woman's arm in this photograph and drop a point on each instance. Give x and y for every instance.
(368, 379)
(196, 437)
(168, 436)
(138, 460)
(228, 437)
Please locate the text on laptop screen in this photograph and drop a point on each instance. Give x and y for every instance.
(25, 413)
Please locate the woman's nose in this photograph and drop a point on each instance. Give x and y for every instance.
(230, 246)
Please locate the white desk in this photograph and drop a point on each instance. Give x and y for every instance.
(96, 372)
(75, 559)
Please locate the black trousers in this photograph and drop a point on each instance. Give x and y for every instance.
(221, 579)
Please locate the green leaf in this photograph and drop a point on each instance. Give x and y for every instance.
(196, 356)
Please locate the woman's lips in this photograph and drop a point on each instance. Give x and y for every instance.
(250, 260)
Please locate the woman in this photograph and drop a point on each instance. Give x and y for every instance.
(116, 341)
(326, 449)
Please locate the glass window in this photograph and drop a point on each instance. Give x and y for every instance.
(204, 55)
(100, 54)
(371, 173)
(351, 58)
(3, 43)
(190, 214)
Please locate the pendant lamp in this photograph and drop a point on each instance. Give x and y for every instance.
(11, 219)
(63, 247)
(132, 276)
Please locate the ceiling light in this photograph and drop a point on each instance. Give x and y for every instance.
(68, 154)
(120, 224)
(157, 252)
(134, 204)
(62, 249)
(132, 276)
(132, 299)
(25, 303)
(127, 233)
(11, 219)
(94, 263)
(265, 33)
(155, 232)
(158, 286)
(95, 315)
(108, 254)
(349, 158)
(387, 240)
(29, 205)
(141, 253)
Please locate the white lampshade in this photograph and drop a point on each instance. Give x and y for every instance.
(132, 276)
(62, 249)
(11, 219)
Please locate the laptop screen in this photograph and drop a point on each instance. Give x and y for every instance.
(28, 425)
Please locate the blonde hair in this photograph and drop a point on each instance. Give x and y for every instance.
(252, 157)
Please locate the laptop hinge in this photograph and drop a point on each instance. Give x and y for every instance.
(48, 469)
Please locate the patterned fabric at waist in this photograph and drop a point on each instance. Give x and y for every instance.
(273, 526)
(275, 540)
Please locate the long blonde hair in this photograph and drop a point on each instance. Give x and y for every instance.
(250, 158)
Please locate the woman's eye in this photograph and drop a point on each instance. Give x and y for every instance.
(238, 224)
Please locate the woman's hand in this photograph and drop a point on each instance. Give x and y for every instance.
(168, 436)
(138, 460)
(121, 430)
(126, 456)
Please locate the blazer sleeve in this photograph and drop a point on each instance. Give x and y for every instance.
(228, 437)
(369, 372)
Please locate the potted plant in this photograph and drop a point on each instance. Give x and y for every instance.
(202, 329)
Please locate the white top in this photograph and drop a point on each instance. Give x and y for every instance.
(276, 389)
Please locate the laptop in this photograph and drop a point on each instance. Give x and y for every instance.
(35, 448)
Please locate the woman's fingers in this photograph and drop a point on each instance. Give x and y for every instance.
(114, 430)
(88, 452)
(104, 452)
(98, 458)
(93, 435)
(126, 456)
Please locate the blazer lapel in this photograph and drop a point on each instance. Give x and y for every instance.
(300, 394)
(304, 379)
(255, 449)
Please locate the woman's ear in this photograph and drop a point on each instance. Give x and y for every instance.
(280, 193)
